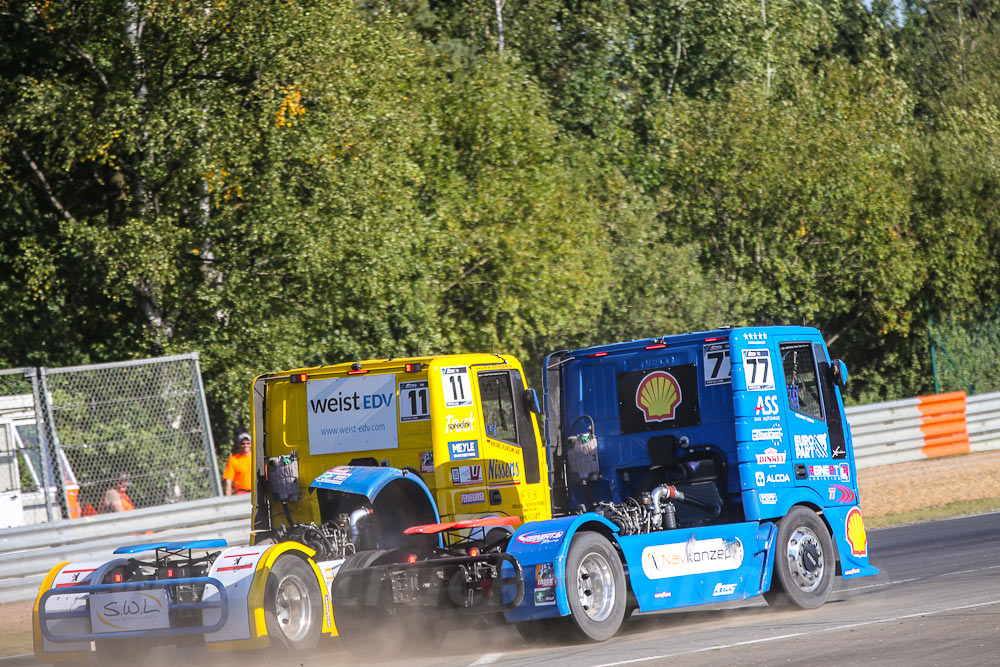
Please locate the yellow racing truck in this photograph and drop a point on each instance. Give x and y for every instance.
(435, 455)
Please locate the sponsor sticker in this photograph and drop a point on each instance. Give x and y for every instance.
(503, 473)
(770, 456)
(465, 475)
(548, 537)
(426, 461)
(856, 535)
(758, 370)
(336, 475)
(852, 571)
(351, 414)
(842, 494)
(724, 589)
(473, 498)
(464, 424)
(662, 561)
(661, 595)
(413, 401)
(768, 498)
(840, 472)
(131, 610)
(457, 390)
(463, 449)
(770, 433)
(811, 446)
(658, 398)
(716, 363)
(767, 409)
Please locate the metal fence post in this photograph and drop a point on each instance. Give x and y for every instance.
(207, 429)
(51, 448)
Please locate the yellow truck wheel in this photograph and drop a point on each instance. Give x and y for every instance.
(293, 604)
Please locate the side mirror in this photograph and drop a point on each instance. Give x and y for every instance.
(838, 369)
(531, 401)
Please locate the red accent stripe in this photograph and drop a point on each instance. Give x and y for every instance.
(234, 567)
(241, 555)
(71, 571)
(72, 583)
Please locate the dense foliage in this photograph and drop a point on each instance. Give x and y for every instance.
(289, 183)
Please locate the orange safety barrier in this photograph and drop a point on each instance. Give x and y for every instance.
(943, 424)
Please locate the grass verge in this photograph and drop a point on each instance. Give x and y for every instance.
(949, 511)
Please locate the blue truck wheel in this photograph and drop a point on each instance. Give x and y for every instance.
(595, 588)
(804, 561)
(293, 604)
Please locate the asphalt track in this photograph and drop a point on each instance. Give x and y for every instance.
(936, 602)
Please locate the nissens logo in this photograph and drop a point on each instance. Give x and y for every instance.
(503, 473)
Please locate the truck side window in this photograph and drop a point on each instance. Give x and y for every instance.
(800, 379)
(498, 406)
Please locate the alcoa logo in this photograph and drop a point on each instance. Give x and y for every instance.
(658, 396)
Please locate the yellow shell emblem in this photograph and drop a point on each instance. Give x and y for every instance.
(658, 396)
(856, 535)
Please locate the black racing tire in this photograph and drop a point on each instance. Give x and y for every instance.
(804, 561)
(595, 588)
(366, 630)
(293, 604)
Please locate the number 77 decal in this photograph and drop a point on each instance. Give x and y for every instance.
(758, 371)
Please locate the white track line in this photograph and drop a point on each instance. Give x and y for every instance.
(799, 634)
(487, 659)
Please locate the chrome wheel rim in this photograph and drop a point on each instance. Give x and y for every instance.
(595, 583)
(292, 609)
(806, 562)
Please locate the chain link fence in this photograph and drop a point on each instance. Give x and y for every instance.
(139, 427)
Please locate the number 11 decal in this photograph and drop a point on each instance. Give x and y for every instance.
(457, 389)
(413, 401)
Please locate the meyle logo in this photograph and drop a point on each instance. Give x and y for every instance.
(771, 456)
(464, 449)
(724, 589)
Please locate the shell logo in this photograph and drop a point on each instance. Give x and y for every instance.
(856, 535)
(658, 396)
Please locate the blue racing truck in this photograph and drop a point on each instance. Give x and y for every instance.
(683, 470)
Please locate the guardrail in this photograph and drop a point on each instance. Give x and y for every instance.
(28, 553)
(924, 427)
(883, 433)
